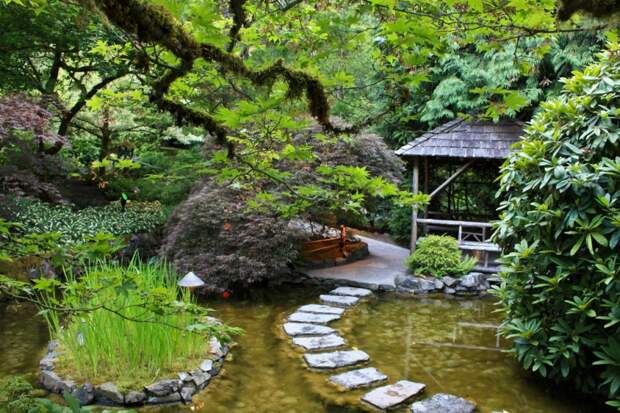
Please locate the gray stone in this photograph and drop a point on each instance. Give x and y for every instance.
(52, 345)
(187, 392)
(449, 290)
(313, 318)
(449, 281)
(171, 398)
(444, 403)
(494, 279)
(216, 348)
(85, 394)
(339, 300)
(183, 376)
(320, 309)
(108, 392)
(135, 397)
(47, 362)
(200, 378)
(68, 386)
(417, 284)
(319, 343)
(471, 280)
(51, 381)
(392, 395)
(358, 378)
(351, 291)
(206, 366)
(303, 329)
(438, 284)
(336, 359)
(164, 387)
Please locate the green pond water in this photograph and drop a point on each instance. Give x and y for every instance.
(448, 344)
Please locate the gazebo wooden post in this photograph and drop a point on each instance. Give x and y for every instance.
(425, 189)
(414, 212)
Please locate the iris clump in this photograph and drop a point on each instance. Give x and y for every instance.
(129, 325)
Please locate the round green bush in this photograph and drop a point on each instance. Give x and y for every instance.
(560, 232)
(439, 255)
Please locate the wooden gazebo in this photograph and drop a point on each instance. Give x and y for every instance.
(460, 144)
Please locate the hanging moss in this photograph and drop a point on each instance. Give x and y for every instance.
(152, 23)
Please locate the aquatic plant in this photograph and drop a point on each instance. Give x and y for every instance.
(439, 255)
(129, 325)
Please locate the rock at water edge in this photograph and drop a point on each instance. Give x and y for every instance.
(444, 403)
(392, 395)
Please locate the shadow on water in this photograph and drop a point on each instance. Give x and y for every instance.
(448, 344)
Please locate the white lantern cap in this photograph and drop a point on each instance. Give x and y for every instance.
(190, 280)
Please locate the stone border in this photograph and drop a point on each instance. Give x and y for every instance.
(162, 391)
(474, 283)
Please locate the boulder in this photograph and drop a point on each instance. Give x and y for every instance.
(163, 387)
(206, 366)
(449, 281)
(472, 280)
(108, 392)
(444, 403)
(85, 394)
(51, 381)
(171, 398)
(134, 397)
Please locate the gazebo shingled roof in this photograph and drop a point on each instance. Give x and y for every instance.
(462, 139)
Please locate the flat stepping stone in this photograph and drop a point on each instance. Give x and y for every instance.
(319, 343)
(305, 329)
(444, 403)
(338, 300)
(358, 378)
(392, 395)
(311, 318)
(351, 291)
(320, 309)
(335, 359)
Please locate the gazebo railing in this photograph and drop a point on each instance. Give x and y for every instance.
(472, 237)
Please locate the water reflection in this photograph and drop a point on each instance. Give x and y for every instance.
(448, 344)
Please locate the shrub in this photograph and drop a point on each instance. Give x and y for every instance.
(215, 235)
(76, 226)
(439, 255)
(560, 232)
(128, 325)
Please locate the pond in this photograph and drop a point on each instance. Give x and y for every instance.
(448, 344)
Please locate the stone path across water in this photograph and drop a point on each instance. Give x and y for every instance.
(306, 326)
(307, 329)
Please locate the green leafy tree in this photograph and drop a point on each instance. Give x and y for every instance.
(560, 233)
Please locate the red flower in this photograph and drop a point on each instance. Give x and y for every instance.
(226, 294)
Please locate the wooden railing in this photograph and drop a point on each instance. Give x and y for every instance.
(463, 226)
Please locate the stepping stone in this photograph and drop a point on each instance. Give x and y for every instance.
(351, 291)
(320, 309)
(444, 403)
(392, 395)
(300, 317)
(335, 359)
(319, 343)
(304, 329)
(338, 300)
(358, 378)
